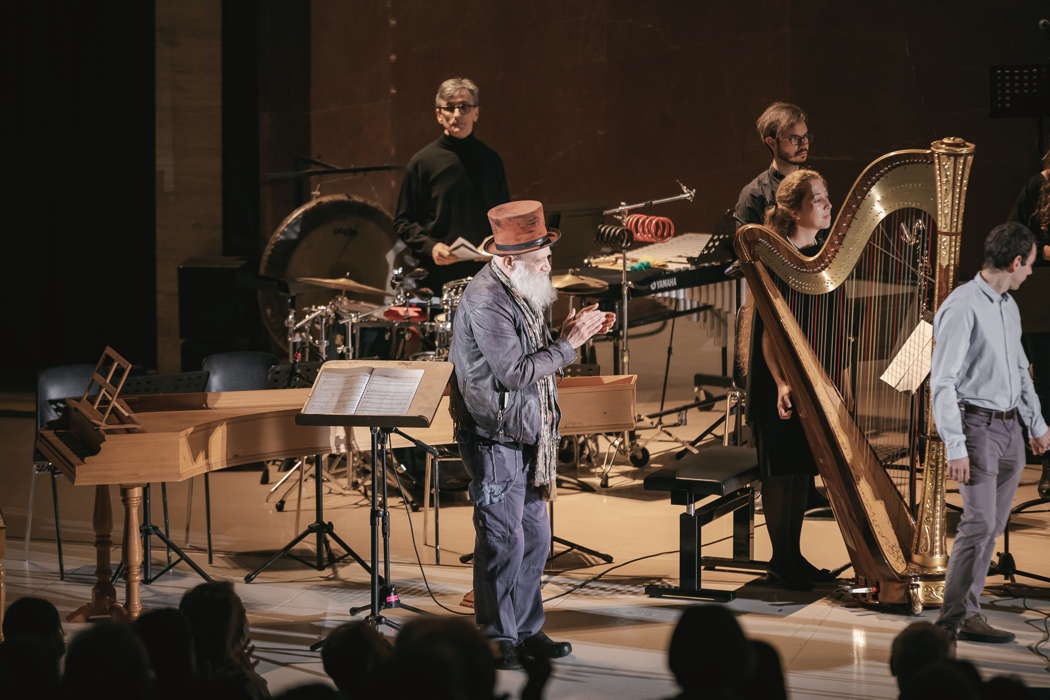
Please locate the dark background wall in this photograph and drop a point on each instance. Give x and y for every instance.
(79, 242)
(588, 101)
(602, 101)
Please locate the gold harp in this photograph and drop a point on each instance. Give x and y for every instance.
(887, 264)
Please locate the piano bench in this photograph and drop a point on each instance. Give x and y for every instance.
(730, 474)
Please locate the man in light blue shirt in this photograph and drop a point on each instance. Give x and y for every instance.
(982, 394)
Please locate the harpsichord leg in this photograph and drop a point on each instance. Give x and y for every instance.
(103, 595)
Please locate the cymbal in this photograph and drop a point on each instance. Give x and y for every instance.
(348, 307)
(343, 284)
(572, 283)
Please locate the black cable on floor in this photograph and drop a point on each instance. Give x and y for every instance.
(595, 578)
(415, 548)
(585, 582)
(1034, 648)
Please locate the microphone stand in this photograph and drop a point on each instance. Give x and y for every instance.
(638, 454)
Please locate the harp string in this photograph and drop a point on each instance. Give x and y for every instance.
(859, 327)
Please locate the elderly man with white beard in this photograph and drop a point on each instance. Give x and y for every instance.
(505, 404)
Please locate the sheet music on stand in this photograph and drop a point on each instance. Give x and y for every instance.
(379, 390)
(911, 365)
(375, 393)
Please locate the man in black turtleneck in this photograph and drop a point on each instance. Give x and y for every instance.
(449, 187)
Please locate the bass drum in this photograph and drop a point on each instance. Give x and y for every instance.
(332, 236)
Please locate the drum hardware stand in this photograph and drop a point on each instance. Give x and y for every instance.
(735, 403)
(323, 530)
(148, 530)
(638, 454)
(659, 426)
(327, 477)
(295, 377)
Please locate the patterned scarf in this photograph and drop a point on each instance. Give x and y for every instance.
(538, 337)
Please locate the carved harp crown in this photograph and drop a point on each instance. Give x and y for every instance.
(838, 319)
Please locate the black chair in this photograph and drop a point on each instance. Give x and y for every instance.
(233, 371)
(53, 386)
(238, 371)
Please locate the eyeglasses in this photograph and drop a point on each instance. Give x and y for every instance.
(451, 108)
(796, 140)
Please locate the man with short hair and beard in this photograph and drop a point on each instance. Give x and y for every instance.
(782, 127)
(505, 404)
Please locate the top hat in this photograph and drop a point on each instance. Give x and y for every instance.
(518, 227)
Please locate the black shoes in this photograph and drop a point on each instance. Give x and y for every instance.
(1044, 481)
(801, 576)
(975, 628)
(540, 644)
(505, 654)
(794, 580)
(818, 575)
(508, 655)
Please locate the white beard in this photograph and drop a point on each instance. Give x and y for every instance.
(536, 287)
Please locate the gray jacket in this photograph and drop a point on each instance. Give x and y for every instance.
(494, 393)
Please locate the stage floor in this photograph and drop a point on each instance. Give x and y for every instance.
(830, 647)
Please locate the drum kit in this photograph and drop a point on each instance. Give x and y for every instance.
(354, 324)
(351, 288)
(357, 323)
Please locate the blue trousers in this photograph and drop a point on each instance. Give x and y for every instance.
(996, 450)
(512, 539)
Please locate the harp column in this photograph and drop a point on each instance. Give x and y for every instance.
(952, 158)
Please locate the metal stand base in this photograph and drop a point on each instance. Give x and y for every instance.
(148, 531)
(570, 545)
(607, 558)
(697, 593)
(574, 482)
(323, 530)
(383, 593)
(1007, 566)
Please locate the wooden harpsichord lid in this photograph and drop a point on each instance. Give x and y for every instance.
(518, 227)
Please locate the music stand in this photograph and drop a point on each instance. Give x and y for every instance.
(387, 388)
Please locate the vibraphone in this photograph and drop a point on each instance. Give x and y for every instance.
(689, 284)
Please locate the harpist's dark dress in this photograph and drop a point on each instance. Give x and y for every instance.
(782, 446)
(786, 464)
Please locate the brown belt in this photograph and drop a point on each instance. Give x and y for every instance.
(1002, 415)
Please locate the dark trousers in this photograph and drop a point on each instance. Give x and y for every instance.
(996, 450)
(512, 539)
